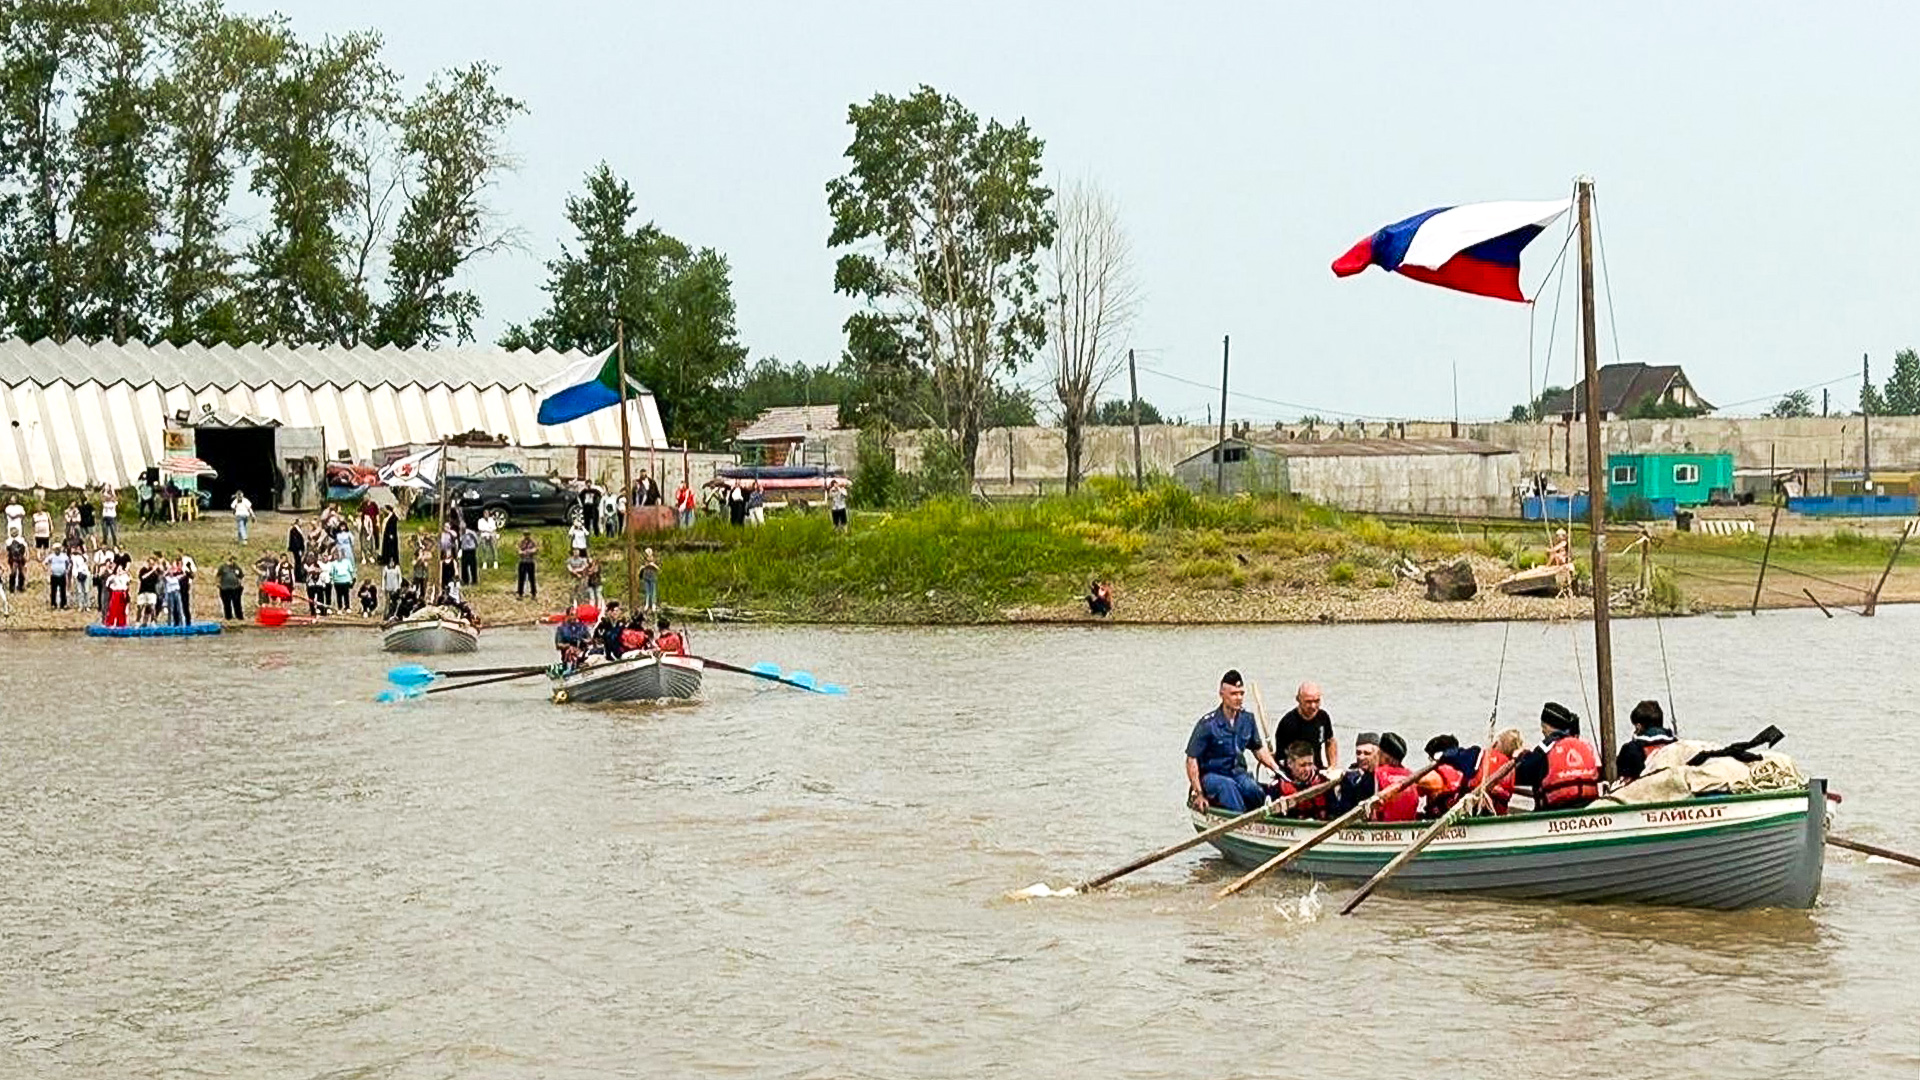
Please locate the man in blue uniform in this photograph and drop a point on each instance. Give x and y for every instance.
(1216, 766)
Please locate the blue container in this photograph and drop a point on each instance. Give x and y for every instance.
(190, 630)
(1855, 505)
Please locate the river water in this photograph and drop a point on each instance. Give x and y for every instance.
(222, 858)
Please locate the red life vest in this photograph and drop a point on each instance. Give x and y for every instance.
(1313, 809)
(1442, 801)
(1404, 806)
(670, 642)
(1573, 774)
(1492, 761)
(633, 640)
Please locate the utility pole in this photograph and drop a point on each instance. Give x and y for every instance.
(1456, 399)
(1823, 403)
(1133, 387)
(1220, 451)
(1866, 436)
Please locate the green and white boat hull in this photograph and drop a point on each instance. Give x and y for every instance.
(1733, 851)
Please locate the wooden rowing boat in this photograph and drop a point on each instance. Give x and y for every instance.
(637, 677)
(430, 636)
(1539, 581)
(1730, 851)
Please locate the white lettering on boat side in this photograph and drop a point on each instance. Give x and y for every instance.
(1567, 825)
(1685, 813)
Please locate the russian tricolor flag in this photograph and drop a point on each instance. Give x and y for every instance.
(1473, 248)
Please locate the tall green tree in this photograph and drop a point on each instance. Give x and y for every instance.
(46, 48)
(453, 142)
(207, 100)
(310, 139)
(1902, 394)
(673, 302)
(115, 206)
(944, 219)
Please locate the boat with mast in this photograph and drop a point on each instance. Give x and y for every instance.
(1759, 849)
(641, 676)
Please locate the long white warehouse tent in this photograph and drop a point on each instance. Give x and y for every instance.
(77, 414)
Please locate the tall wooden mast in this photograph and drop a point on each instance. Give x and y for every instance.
(1596, 482)
(626, 468)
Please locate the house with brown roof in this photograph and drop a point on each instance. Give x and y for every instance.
(1626, 388)
(781, 435)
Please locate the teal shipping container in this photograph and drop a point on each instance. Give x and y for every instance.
(1687, 479)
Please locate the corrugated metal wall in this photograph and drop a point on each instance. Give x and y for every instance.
(59, 435)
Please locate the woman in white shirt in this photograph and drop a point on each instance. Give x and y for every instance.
(489, 540)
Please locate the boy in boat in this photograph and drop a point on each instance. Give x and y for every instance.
(1377, 768)
(1650, 733)
(1300, 774)
(1563, 771)
(670, 642)
(1443, 787)
(1505, 745)
(1216, 763)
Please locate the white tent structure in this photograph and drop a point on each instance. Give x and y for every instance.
(74, 414)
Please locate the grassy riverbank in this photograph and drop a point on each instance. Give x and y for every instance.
(1171, 556)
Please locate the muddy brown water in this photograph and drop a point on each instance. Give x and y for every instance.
(222, 858)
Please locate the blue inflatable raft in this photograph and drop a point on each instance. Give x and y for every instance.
(189, 630)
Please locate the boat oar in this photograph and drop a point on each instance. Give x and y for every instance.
(772, 673)
(1433, 833)
(1869, 849)
(1279, 810)
(409, 691)
(421, 675)
(1331, 827)
(529, 672)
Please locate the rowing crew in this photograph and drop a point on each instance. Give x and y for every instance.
(613, 638)
(1561, 773)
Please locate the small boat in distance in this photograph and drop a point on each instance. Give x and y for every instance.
(1539, 581)
(644, 676)
(430, 632)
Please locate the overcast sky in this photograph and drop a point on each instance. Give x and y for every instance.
(1754, 163)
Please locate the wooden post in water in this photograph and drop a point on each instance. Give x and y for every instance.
(1133, 387)
(1596, 481)
(1873, 598)
(1765, 557)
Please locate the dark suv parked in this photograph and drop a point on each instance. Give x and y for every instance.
(516, 499)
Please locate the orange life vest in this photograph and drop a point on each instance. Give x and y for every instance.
(1492, 761)
(1573, 774)
(1445, 789)
(1404, 806)
(1312, 809)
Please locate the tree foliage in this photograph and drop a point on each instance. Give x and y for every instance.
(674, 304)
(1653, 408)
(944, 219)
(1792, 404)
(1535, 410)
(126, 125)
(1118, 412)
(1902, 394)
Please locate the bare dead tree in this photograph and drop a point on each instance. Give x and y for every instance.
(1093, 299)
